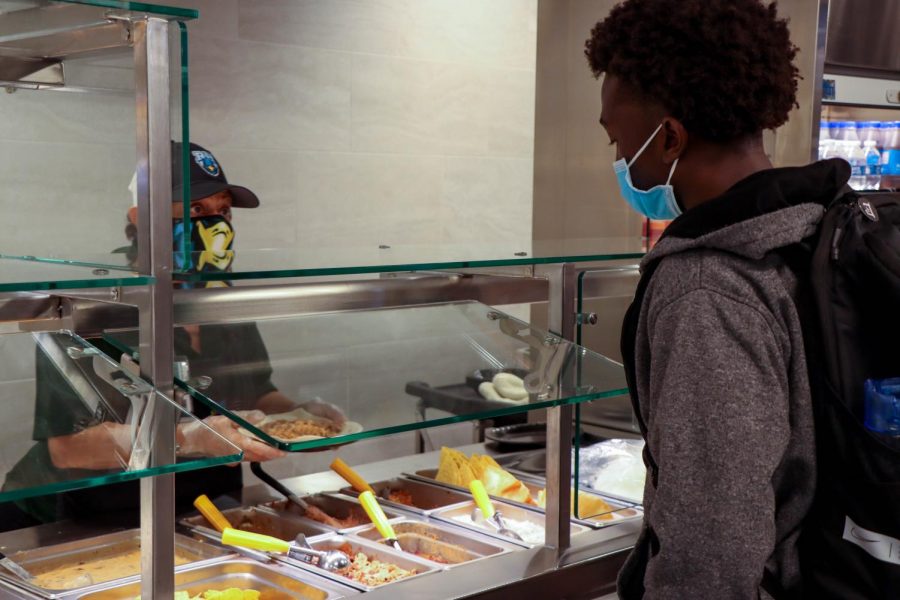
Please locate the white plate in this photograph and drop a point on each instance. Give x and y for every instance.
(350, 427)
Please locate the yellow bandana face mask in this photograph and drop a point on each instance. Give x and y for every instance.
(212, 238)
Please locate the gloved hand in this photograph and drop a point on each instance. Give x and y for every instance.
(196, 440)
(325, 410)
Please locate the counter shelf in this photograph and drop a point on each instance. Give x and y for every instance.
(361, 362)
(101, 395)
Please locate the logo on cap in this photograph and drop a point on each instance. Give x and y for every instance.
(207, 162)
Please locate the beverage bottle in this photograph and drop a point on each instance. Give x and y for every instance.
(856, 156)
(825, 140)
(873, 165)
(850, 131)
(870, 131)
(890, 158)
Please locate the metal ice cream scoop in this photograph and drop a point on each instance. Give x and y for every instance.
(491, 514)
(330, 560)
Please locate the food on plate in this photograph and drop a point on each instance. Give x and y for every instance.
(105, 564)
(531, 533)
(401, 497)
(371, 571)
(289, 429)
(456, 468)
(510, 387)
(589, 506)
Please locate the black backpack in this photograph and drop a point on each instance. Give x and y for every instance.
(850, 309)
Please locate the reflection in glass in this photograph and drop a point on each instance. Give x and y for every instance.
(382, 369)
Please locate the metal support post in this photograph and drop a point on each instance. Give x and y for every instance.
(154, 178)
(561, 320)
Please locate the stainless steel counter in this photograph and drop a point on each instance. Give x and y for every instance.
(585, 570)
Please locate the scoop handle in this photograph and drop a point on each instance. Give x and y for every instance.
(376, 514)
(481, 498)
(353, 478)
(257, 541)
(212, 514)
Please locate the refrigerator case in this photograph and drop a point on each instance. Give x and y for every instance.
(860, 79)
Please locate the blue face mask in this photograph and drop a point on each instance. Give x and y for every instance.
(658, 202)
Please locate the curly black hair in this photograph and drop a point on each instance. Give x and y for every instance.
(724, 68)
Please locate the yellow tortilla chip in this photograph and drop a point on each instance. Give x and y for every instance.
(454, 468)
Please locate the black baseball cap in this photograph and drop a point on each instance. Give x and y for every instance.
(207, 178)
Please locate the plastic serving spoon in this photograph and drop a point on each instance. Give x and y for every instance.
(491, 514)
(330, 560)
(378, 518)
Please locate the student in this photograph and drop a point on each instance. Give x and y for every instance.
(69, 446)
(712, 342)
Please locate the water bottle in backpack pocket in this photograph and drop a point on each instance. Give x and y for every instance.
(883, 407)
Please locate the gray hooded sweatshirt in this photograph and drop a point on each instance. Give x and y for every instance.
(717, 372)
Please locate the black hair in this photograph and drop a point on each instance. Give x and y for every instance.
(724, 68)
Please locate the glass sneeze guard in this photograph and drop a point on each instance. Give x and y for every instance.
(347, 260)
(59, 387)
(139, 7)
(386, 370)
(22, 274)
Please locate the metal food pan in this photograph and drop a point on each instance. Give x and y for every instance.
(461, 516)
(425, 497)
(48, 558)
(260, 520)
(621, 511)
(334, 505)
(275, 581)
(451, 544)
(373, 550)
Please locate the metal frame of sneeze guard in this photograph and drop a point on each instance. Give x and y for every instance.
(154, 182)
(141, 395)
